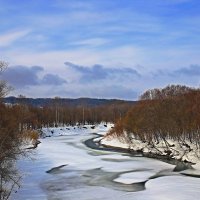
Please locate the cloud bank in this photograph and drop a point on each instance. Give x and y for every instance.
(98, 73)
(23, 76)
(95, 81)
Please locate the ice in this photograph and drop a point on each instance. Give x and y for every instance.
(134, 177)
(95, 174)
(171, 188)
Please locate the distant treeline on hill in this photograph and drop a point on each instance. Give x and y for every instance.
(36, 113)
(40, 102)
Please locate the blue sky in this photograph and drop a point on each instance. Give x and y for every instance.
(99, 48)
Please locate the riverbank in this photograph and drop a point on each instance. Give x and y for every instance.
(169, 151)
(181, 151)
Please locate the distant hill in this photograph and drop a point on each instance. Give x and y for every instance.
(40, 102)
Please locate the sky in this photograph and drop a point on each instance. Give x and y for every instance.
(99, 48)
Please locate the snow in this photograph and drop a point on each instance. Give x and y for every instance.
(179, 151)
(134, 177)
(171, 187)
(101, 129)
(186, 151)
(56, 151)
(114, 142)
(94, 174)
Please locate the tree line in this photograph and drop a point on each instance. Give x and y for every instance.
(10, 144)
(169, 113)
(56, 114)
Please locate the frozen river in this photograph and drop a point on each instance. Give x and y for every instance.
(63, 168)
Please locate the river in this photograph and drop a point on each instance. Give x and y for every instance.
(64, 168)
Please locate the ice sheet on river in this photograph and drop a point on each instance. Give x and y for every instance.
(92, 174)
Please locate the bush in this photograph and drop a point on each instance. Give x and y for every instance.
(30, 135)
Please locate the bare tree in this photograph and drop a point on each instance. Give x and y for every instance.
(9, 144)
(4, 87)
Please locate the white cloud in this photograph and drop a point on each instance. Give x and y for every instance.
(7, 39)
(91, 42)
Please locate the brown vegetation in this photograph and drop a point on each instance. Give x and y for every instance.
(30, 135)
(10, 141)
(32, 118)
(161, 114)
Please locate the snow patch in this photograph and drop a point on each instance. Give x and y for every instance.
(134, 177)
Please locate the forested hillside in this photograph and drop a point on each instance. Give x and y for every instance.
(58, 114)
(41, 102)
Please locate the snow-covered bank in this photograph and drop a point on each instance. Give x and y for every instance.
(101, 129)
(183, 151)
